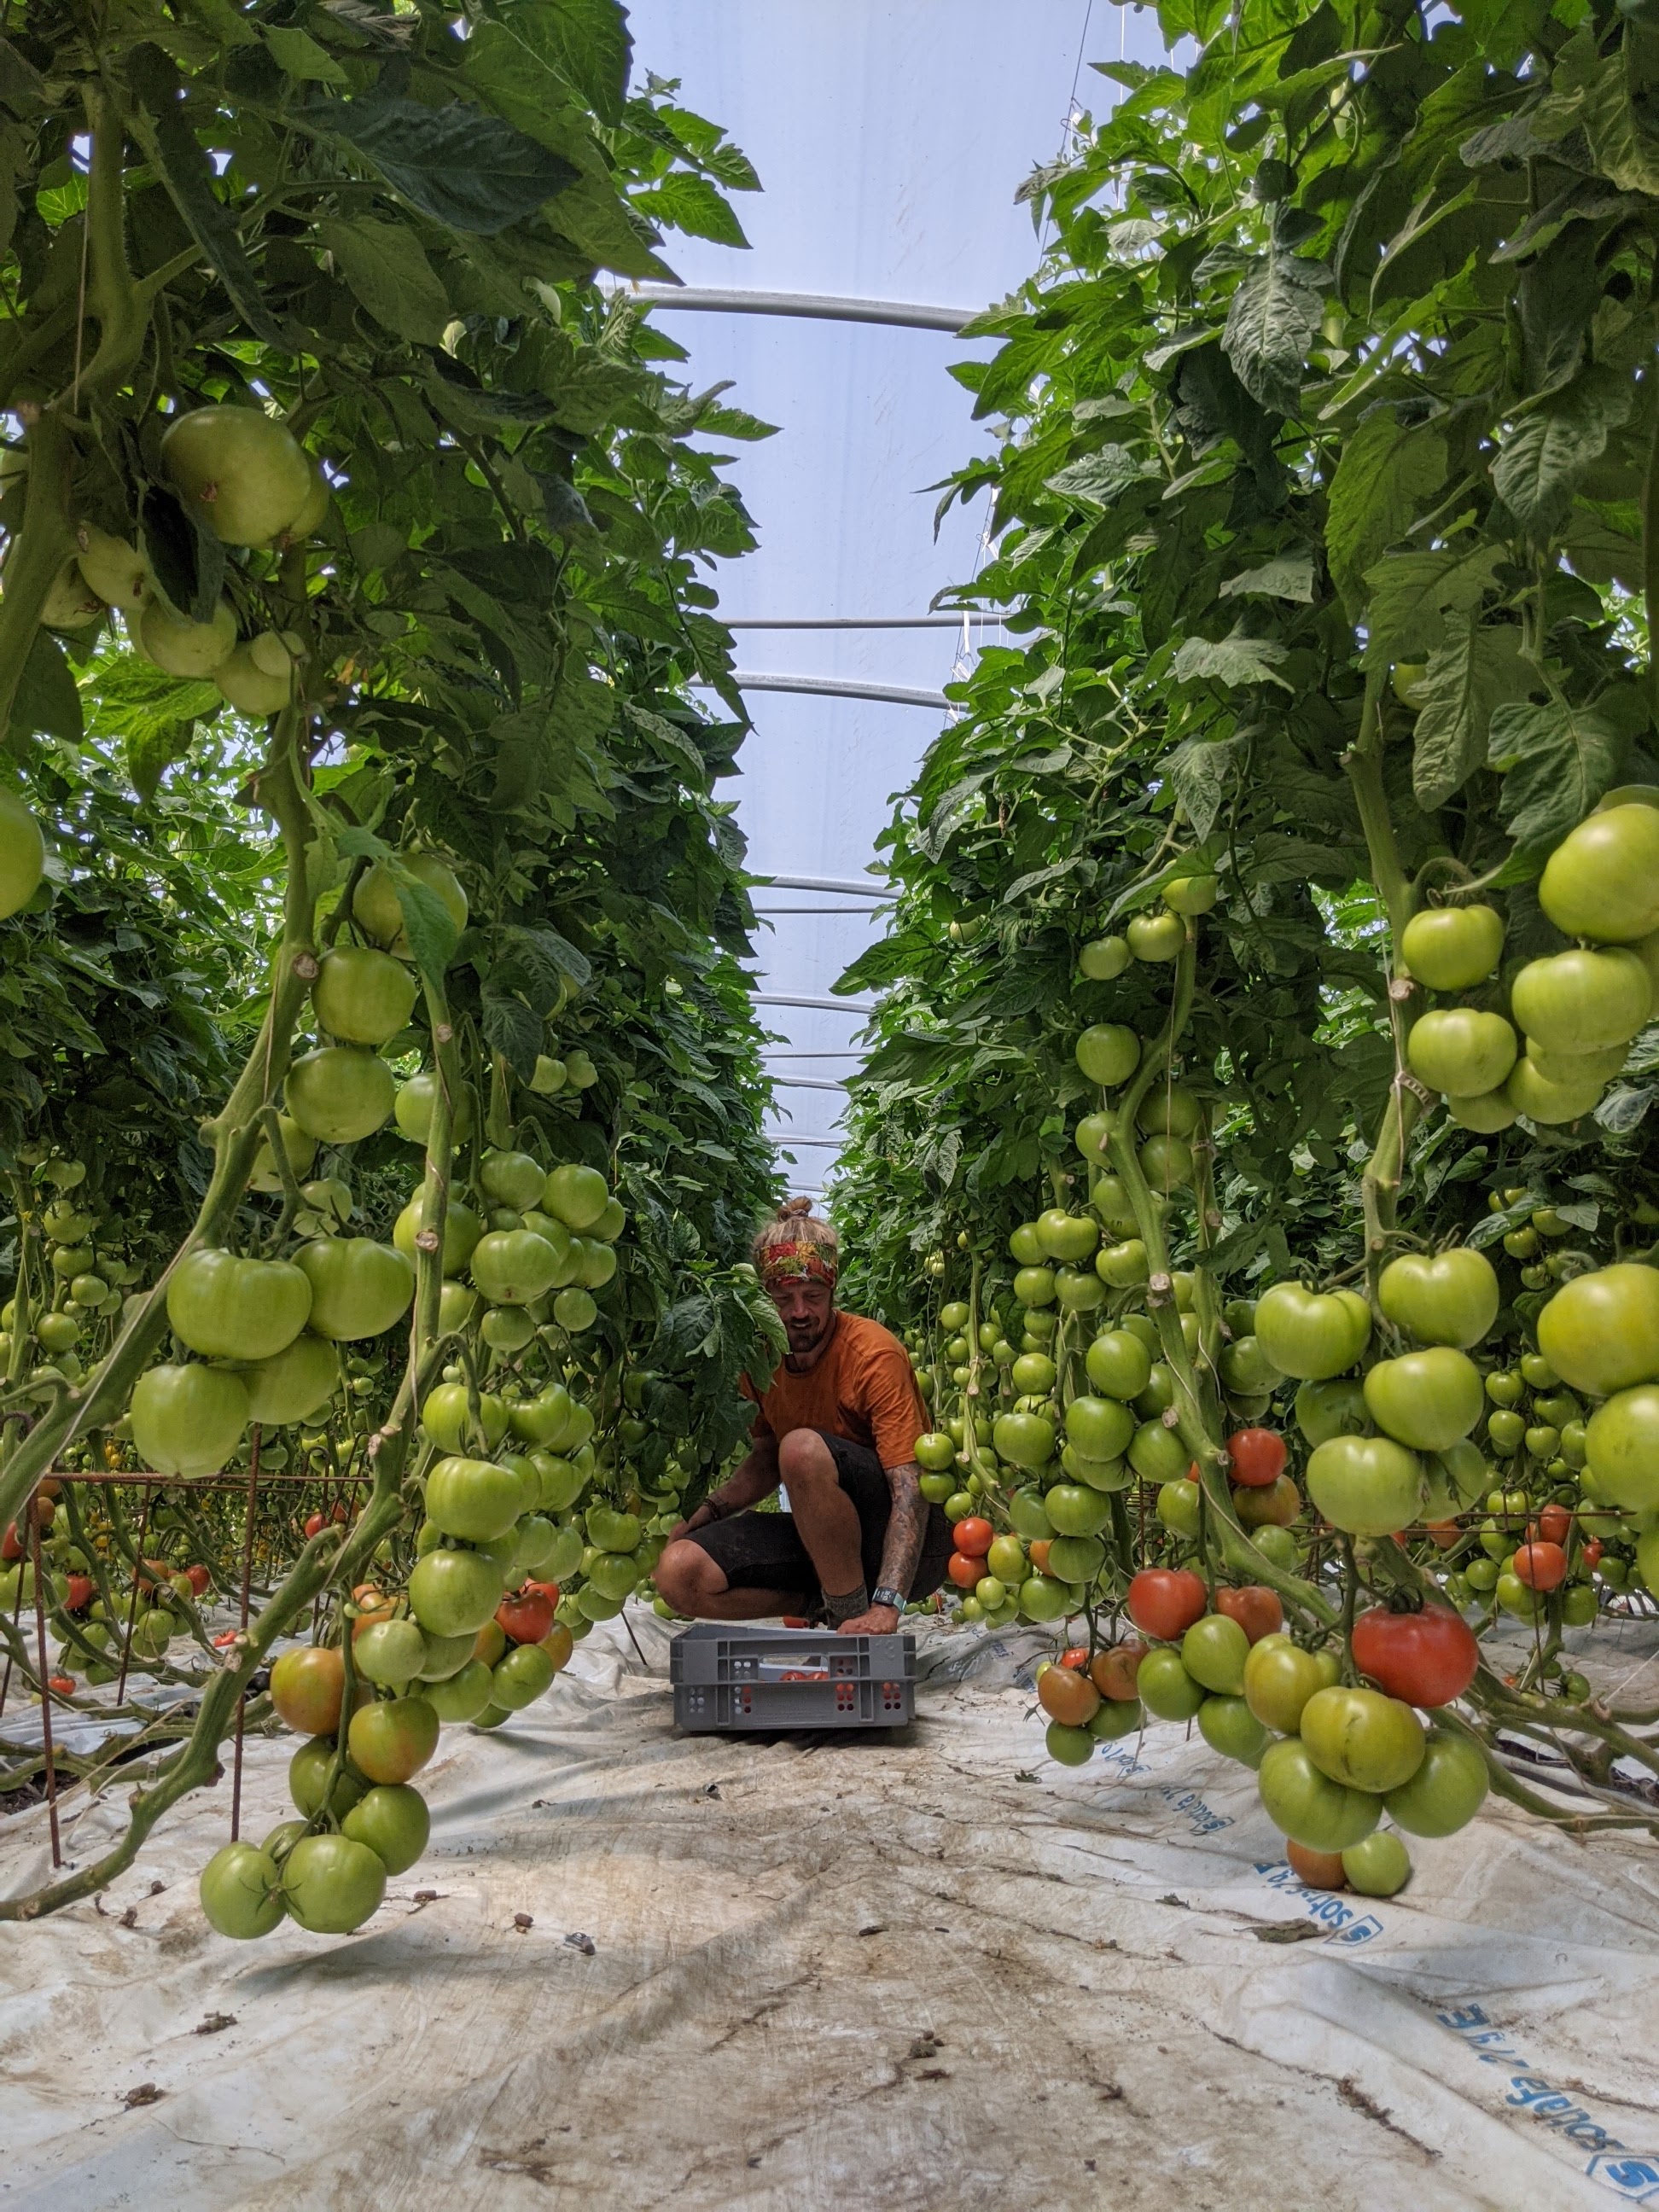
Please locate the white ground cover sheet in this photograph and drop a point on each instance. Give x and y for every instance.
(923, 1969)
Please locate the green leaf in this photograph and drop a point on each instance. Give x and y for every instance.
(460, 165)
(1098, 479)
(1233, 659)
(1478, 670)
(1627, 153)
(585, 41)
(158, 123)
(428, 924)
(1202, 771)
(386, 266)
(1410, 593)
(511, 1028)
(1544, 459)
(683, 202)
(298, 55)
(1385, 474)
(1556, 760)
(47, 703)
(1287, 576)
(1275, 318)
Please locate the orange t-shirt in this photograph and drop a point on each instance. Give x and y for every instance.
(863, 1387)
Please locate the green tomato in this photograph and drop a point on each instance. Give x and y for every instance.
(1333, 1408)
(1156, 1454)
(1378, 1866)
(1603, 881)
(1068, 1237)
(393, 1821)
(1460, 1051)
(1425, 1400)
(1581, 1001)
(1071, 1747)
(1155, 936)
(1449, 1299)
(1601, 1332)
(1119, 1365)
(1228, 1725)
(358, 1288)
(451, 1592)
(1453, 948)
(1078, 1290)
(240, 1890)
(188, 1420)
(1504, 1430)
(1166, 1689)
(1075, 1560)
(332, 1884)
(1028, 1515)
(1365, 1486)
(1361, 1738)
(1447, 1791)
(1306, 1805)
(1025, 1439)
(363, 997)
(1043, 1598)
(1178, 1507)
(1107, 1054)
(340, 1093)
(1213, 1651)
(1103, 959)
(1309, 1334)
(1279, 1678)
(1075, 1510)
(1100, 1428)
(1621, 1443)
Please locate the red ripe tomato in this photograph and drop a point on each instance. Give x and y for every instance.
(973, 1536)
(1166, 1601)
(1039, 1550)
(525, 1618)
(549, 1590)
(1445, 1533)
(1592, 1551)
(80, 1587)
(315, 1524)
(1425, 1658)
(201, 1580)
(1254, 1608)
(10, 1545)
(1077, 1656)
(1540, 1566)
(963, 1572)
(65, 1684)
(1554, 1525)
(1115, 1670)
(1257, 1455)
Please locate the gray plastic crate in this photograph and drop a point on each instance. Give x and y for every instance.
(727, 1678)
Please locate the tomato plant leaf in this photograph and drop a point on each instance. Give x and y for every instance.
(1477, 669)
(386, 266)
(1098, 479)
(511, 1028)
(1410, 593)
(47, 703)
(1202, 771)
(1556, 760)
(462, 166)
(1273, 319)
(1542, 462)
(1230, 660)
(1385, 475)
(299, 56)
(428, 924)
(1287, 576)
(159, 124)
(694, 205)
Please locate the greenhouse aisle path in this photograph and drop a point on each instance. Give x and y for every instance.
(927, 1971)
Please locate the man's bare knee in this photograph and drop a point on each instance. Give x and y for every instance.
(805, 1458)
(685, 1575)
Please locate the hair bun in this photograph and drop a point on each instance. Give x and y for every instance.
(794, 1208)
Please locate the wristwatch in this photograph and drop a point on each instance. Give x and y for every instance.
(894, 1599)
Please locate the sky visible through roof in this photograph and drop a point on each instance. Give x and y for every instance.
(890, 141)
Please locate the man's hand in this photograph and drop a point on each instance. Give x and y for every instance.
(880, 1620)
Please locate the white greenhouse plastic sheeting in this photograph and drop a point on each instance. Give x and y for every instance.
(928, 1970)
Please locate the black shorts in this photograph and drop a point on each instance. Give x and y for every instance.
(764, 1551)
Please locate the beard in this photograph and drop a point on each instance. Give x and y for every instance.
(806, 1335)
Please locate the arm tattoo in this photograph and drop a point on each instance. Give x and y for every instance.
(902, 1551)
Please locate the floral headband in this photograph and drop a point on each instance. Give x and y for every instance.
(785, 1263)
